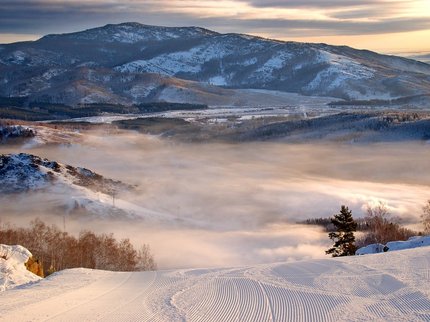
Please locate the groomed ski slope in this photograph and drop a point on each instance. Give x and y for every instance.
(381, 287)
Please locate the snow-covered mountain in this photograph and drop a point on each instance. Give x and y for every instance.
(131, 63)
(65, 189)
(23, 172)
(47, 186)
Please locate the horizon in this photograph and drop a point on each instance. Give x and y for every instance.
(385, 26)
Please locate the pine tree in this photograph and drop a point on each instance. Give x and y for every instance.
(343, 237)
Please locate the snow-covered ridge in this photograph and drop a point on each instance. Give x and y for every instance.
(133, 32)
(23, 172)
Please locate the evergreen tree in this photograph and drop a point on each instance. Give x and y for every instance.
(343, 237)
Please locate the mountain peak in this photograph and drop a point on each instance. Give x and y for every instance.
(133, 32)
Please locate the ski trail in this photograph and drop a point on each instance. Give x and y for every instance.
(68, 301)
(386, 287)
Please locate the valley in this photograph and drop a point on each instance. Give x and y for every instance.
(230, 199)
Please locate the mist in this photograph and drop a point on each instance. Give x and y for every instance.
(219, 204)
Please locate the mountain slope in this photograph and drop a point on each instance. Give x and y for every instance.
(21, 172)
(382, 287)
(112, 63)
(63, 189)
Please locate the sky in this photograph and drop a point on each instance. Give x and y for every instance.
(389, 26)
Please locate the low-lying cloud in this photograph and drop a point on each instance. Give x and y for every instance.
(232, 204)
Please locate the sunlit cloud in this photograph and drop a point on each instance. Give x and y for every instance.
(286, 20)
(233, 204)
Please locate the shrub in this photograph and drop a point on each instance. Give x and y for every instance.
(383, 227)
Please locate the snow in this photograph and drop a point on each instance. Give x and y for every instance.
(278, 61)
(141, 90)
(218, 81)
(170, 64)
(17, 174)
(53, 72)
(370, 249)
(12, 269)
(382, 287)
(18, 57)
(340, 70)
(412, 242)
(249, 62)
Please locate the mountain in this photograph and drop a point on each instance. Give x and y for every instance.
(134, 63)
(64, 188)
(50, 187)
(22, 172)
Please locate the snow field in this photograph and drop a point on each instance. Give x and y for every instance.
(381, 287)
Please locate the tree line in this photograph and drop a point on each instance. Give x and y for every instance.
(58, 250)
(378, 226)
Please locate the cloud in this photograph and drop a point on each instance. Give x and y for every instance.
(296, 28)
(231, 204)
(43, 16)
(329, 4)
(311, 3)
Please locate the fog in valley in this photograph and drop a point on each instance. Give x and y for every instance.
(213, 204)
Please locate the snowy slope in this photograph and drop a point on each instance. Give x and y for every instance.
(22, 172)
(73, 190)
(381, 287)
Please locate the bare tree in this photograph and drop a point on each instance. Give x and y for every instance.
(58, 250)
(382, 227)
(425, 217)
(145, 259)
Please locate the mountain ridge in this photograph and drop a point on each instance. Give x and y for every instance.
(118, 55)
